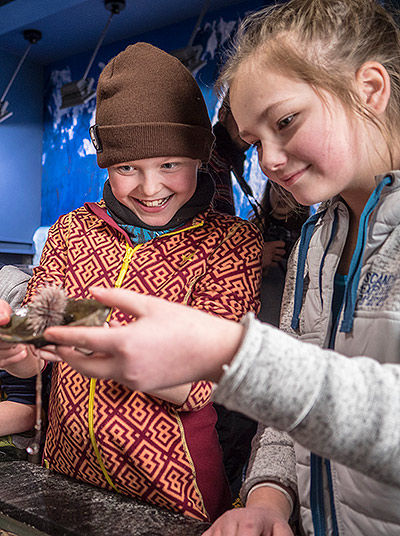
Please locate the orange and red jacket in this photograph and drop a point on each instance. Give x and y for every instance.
(102, 432)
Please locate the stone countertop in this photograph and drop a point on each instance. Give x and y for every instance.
(58, 506)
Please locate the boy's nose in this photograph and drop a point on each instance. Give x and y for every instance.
(150, 184)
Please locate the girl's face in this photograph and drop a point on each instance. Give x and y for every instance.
(154, 188)
(305, 143)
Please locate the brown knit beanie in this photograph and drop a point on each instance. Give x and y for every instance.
(149, 105)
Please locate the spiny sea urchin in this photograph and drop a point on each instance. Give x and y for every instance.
(46, 309)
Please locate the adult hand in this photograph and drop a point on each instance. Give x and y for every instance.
(250, 521)
(167, 345)
(266, 514)
(273, 252)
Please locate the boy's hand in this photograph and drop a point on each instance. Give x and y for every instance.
(167, 345)
(15, 358)
(5, 312)
(10, 353)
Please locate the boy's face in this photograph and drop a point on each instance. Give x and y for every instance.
(154, 188)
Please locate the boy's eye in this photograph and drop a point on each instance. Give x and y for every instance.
(285, 121)
(125, 169)
(169, 165)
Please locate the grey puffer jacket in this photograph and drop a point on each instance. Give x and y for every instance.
(346, 411)
(13, 283)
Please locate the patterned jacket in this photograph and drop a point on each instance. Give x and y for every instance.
(100, 431)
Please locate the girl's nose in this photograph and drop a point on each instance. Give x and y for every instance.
(272, 157)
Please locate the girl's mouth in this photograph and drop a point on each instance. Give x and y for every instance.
(288, 180)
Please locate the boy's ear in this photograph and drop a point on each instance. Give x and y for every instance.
(373, 82)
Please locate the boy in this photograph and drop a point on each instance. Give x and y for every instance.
(154, 232)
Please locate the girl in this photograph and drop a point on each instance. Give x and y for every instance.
(314, 84)
(154, 232)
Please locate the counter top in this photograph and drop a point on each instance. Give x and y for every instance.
(57, 505)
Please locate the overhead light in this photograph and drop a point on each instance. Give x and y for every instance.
(81, 91)
(33, 36)
(190, 55)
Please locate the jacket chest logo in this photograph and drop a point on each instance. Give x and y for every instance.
(375, 288)
(186, 257)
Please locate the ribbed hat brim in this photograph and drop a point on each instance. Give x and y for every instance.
(130, 142)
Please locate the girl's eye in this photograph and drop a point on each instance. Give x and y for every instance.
(283, 123)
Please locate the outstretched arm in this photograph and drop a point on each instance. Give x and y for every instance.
(194, 345)
(341, 408)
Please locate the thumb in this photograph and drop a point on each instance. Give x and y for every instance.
(5, 312)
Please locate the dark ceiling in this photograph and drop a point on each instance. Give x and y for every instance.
(73, 26)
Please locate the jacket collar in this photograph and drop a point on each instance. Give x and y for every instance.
(99, 209)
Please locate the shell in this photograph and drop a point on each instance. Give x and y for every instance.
(21, 329)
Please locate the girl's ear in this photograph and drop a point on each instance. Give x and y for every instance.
(373, 82)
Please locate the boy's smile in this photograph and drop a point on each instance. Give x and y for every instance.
(156, 203)
(154, 188)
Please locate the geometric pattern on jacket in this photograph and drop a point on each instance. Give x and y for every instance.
(165, 454)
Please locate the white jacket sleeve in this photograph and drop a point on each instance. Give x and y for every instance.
(340, 408)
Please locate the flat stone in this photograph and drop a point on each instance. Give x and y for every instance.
(57, 505)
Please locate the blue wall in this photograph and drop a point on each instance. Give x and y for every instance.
(20, 155)
(70, 173)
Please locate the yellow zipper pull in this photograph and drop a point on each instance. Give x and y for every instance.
(124, 268)
(125, 263)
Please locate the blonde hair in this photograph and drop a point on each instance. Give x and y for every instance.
(324, 43)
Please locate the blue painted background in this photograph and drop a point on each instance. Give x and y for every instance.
(20, 155)
(70, 173)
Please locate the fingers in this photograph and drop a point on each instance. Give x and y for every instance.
(12, 354)
(223, 528)
(275, 244)
(282, 529)
(97, 339)
(125, 300)
(249, 521)
(96, 365)
(235, 522)
(273, 253)
(49, 353)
